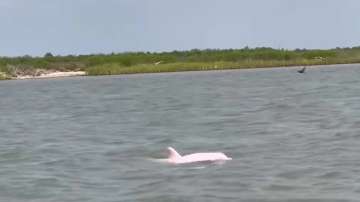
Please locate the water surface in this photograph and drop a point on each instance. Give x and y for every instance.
(292, 137)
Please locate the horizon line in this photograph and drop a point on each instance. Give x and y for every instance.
(171, 51)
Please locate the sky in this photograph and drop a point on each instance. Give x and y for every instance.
(63, 27)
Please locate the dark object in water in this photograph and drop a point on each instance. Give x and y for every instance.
(302, 70)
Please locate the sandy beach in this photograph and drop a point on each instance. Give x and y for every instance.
(53, 75)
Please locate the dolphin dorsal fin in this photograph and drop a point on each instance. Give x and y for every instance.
(173, 153)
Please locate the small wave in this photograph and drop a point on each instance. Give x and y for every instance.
(332, 174)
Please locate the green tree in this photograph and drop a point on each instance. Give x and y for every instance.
(48, 54)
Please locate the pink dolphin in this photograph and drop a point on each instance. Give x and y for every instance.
(175, 158)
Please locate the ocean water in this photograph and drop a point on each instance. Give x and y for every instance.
(292, 137)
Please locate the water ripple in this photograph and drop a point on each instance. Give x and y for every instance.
(292, 137)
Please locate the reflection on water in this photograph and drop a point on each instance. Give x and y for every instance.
(292, 137)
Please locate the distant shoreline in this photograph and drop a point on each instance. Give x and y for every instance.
(59, 74)
(49, 66)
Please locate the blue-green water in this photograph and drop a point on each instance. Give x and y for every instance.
(292, 137)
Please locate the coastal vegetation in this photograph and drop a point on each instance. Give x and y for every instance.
(192, 60)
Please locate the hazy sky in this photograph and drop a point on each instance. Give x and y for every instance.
(63, 27)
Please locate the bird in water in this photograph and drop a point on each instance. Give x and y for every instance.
(302, 70)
